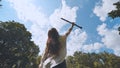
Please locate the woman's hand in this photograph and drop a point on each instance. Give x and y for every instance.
(73, 23)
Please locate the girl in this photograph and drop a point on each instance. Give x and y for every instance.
(55, 52)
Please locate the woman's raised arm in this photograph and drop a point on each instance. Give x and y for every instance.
(70, 29)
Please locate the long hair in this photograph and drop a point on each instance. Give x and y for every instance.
(53, 44)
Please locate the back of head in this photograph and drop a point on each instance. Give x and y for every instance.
(53, 44)
(53, 33)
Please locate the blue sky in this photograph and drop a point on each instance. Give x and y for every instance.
(99, 31)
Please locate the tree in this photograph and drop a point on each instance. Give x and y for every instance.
(115, 13)
(119, 30)
(93, 60)
(0, 1)
(16, 48)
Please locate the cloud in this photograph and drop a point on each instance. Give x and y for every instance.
(103, 8)
(110, 38)
(95, 47)
(63, 12)
(76, 40)
(27, 11)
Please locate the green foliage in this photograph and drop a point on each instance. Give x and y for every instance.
(115, 13)
(39, 59)
(16, 48)
(0, 1)
(93, 60)
(119, 30)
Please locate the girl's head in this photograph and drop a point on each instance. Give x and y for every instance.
(52, 33)
(53, 44)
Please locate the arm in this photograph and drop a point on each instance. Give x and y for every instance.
(69, 30)
(43, 58)
(45, 61)
(42, 61)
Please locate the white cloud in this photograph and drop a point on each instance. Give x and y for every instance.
(27, 11)
(76, 40)
(103, 8)
(110, 38)
(63, 12)
(95, 47)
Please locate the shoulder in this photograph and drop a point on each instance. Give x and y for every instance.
(62, 37)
